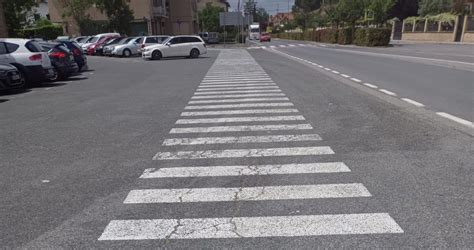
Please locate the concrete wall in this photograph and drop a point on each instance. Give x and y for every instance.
(183, 17)
(468, 37)
(428, 36)
(3, 25)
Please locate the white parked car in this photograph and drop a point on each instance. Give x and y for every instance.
(129, 48)
(176, 46)
(28, 56)
(151, 40)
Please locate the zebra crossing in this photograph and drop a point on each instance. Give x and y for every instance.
(236, 90)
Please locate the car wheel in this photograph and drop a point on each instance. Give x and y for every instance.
(194, 53)
(156, 55)
(55, 75)
(127, 53)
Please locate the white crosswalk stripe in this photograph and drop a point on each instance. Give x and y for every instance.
(243, 94)
(240, 139)
(298, 168)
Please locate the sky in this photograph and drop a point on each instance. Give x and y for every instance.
(270, 5)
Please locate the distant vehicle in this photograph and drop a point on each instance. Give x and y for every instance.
(79, 56)
(265, 37)
(10, 77)
(91, 49)
(254, 31)
(210, 37)
(99, 50)
(151, 40)
(128, 49)
(28, 57)
(176, 46)
(96, 38)
(62, 60)
(82, 40)
(63, 38)
(109, 48)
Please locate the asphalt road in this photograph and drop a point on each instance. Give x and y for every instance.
(439, 76)
(79, 157)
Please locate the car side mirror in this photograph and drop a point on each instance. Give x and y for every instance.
(168, 44)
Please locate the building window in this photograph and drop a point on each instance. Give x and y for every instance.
(158, 3)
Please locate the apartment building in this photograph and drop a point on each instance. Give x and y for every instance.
(150, 17)
(3, 25)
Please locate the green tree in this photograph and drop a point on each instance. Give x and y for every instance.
(261, 16)
(403, 9)
(209, 17)
(77, 9)
(119, 13)
(16, 14)
(302, 11)
(434, 7)
(350, 11)
(381, 9)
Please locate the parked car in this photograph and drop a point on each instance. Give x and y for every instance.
(109, 48)
(128, 49)
(176, 46)
(102, 41)
(79, 56)
(99, 50)
(210, 37)
(63, 38)
(81, 40)
(151, 40)
(265, 37)
(96, 38)
(28, 57)
(10, 77)
(62, 60)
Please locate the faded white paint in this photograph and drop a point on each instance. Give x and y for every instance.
(243, 128)
(241, 100)
(239, 112)
(241, 119)
(242, 105)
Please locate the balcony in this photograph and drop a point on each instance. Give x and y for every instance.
(159, 11)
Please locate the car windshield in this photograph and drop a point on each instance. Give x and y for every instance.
(126, 40)
(167, 40)
(114, 41)
(94, 39)
(254, 30)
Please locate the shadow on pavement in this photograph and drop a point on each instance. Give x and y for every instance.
(3, 100)
(14, 92)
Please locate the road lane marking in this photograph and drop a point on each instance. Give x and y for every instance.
(239, 112)
(413, 102)
(237, 96)
(243, 128)
(356, 80)
(235, 82)
(456, 119)
(335, 72)
(327, 69)
(236, 88)
(300, 44)
(241, 139)
(292, 45)
(241, 105)
(244, 153)
(235, 77)
(216, 171)
(238, 79)
(387, 92)
(237, 92)
(240, 100)
(242, 119)
(371, 85)
(346, 76)
(283, 46)
(262, 193)
(321, 66)
(251, 227)
(272, 46)
(237, 85)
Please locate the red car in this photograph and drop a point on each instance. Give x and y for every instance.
(102, 41)
(265, 37)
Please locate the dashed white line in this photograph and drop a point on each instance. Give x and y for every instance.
(328, 69)
(456, 119)
(413, 102)
(335, 72)
(371, 85)
(355, 80)
(346, 76)
(387, 92)
(251, 227)
(241, 139)
(204, 171)
(244, 153)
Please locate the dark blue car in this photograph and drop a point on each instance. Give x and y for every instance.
(77, 52)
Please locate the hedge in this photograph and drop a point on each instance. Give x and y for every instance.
(372, 37)
(49, 32)
(345, 36)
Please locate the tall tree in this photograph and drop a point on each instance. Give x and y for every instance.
(209, 17)
(261, 16)
(16, 14)
(381, 9)
(77, 10)
(434, 7)
(349, 11)
(119, 13)
(403, 9)
(302, 11)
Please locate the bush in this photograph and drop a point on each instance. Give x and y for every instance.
(49, 32)
(327, 36)
(372, 37)
(345, 36)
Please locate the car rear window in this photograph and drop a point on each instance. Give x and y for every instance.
(11, 47)
(3, 49)
(192, 40)
(151, 40)
(139, 40)
(33, 46)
